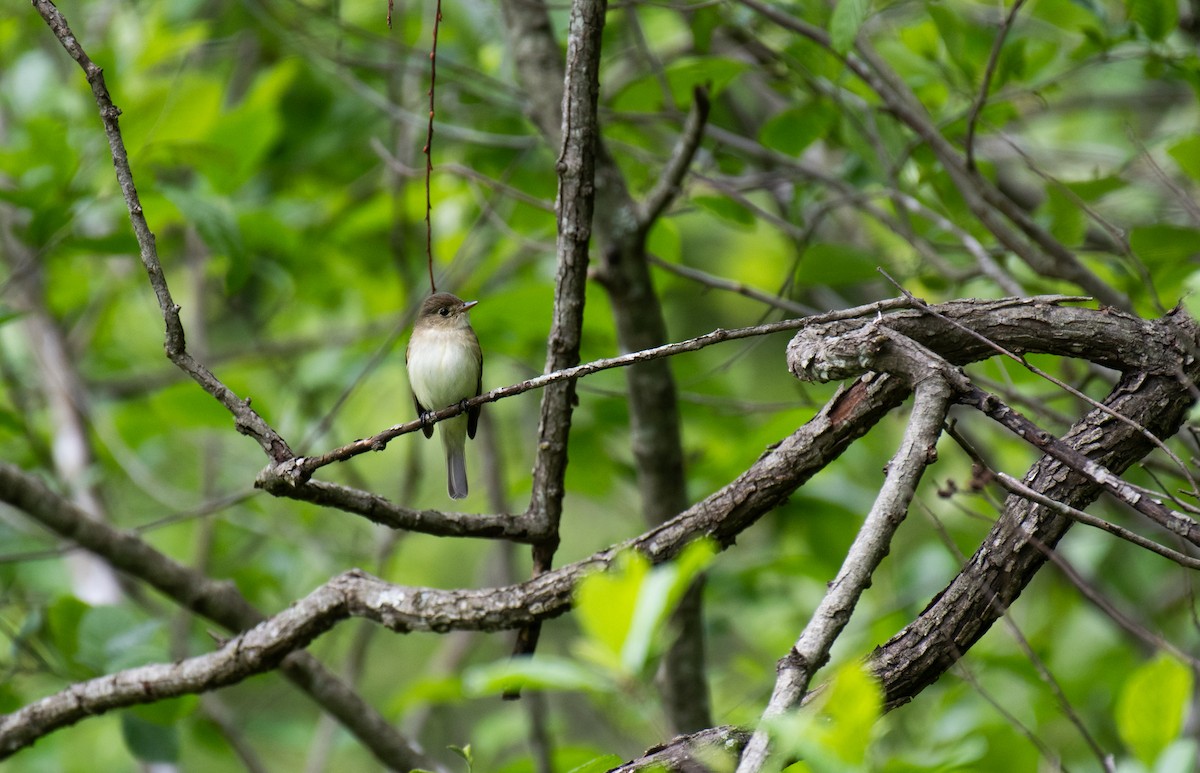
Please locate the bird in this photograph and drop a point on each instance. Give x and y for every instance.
(445, 367)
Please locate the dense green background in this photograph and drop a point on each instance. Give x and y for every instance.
(260, 135)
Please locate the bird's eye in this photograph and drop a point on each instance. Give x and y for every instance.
(444, 311)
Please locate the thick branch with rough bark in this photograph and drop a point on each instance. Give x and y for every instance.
(1014, 550)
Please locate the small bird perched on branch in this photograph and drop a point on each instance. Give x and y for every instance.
(445, 367)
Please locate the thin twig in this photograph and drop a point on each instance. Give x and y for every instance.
(428, 150)
(1152, 508)
(720, 283)
(988, 72)
(247, 421)
(667, 188)
(1017, 488)
(302, 467)
(1047, 752)
(1123, 620)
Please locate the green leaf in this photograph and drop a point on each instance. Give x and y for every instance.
(62, 623)
(664, 241)
(1164, 245)
(853, 706)
(1097, 188)
(682, 77)
(465, 753)
(149, 741)
(1186, 153)
(794, 129)
(651, 609)
(541, 673)
(1067, 221)
(837, 264)
(833, 732)
(115, 638)
(1156, 18)
(715, 72)
(659, 594)
(243, 135)
(1152, 705)
(623, 610)
(1011, 65)
(705, 19)
(606, 601)
(214, 219)
(848, 16)
(599, 765)
(725, 208)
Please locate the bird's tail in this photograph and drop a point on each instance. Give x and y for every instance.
(456, 462)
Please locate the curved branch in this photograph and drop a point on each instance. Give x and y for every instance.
(218, 601)
(1015, 548)
(1177, 523)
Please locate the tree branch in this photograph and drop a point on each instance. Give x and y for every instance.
(1014, 486)
(934, 382)
(292, 478)
(666, 190)
(217, 601)
(247, 421)
(1016, 547)
(988, 72)
(995, 409)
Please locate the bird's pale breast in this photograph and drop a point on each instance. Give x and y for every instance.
(443, 368)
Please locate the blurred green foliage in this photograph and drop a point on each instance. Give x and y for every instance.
(277, 149)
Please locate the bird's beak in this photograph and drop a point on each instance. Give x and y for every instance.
(467, 305)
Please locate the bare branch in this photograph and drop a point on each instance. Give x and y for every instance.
(515, 527)
(1017, 546)
(300, 468)
(1154, 395)
(1014, 486)
(994, 408)
(292, 478)
(935, 382)
(690, 752)
(575, 202)
(247, 421)
(1183, 469)
(988, 72)
(667, 188)
(217, 601)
